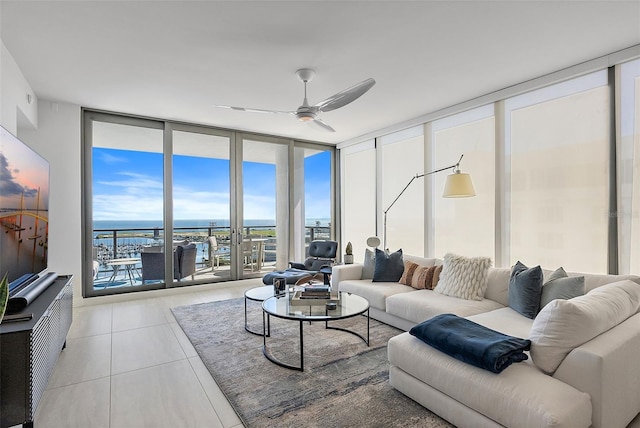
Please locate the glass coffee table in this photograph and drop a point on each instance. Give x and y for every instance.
(348, 306)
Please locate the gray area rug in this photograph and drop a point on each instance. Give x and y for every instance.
(345, 383)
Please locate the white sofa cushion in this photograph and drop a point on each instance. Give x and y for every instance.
(498, 285)
(375, 292)
(422, 261)
(604, 369)
(594, 280)
(420, 305)
(565, 324)
(464, 277)
(505, 320)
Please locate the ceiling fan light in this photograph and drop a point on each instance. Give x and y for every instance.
(306, 117)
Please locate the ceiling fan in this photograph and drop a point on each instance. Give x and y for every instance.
(310, 113)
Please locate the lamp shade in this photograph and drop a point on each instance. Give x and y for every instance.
(458, 185)
(373, 241)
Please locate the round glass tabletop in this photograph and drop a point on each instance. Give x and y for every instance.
(259, 294)
(348, 306)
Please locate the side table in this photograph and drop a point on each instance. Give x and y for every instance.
(257, 294)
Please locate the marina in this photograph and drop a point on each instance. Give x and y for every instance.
(110, 246)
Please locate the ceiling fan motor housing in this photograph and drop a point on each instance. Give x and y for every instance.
(306, 113)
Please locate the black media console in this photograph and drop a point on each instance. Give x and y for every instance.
(29, 350)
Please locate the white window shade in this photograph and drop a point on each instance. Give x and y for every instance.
(358, 197)
(402, 159)
(559, 180)
(465, 225)
(628, 151)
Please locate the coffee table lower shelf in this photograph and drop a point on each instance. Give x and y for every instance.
(348, 307)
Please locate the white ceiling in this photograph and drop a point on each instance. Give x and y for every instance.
(176, 59)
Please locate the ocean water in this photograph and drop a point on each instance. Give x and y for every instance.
(151, 224)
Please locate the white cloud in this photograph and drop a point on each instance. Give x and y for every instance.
(109, 158)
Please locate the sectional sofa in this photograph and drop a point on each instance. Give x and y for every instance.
(596, 384)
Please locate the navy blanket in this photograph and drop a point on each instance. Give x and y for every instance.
(472, 343)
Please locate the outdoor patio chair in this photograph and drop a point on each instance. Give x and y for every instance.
(214, 254)
(184, 263)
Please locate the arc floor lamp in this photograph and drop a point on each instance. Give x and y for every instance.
(458, 185)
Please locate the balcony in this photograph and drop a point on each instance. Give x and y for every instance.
(112, 246)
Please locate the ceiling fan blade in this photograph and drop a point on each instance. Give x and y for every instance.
(319, 123)
(254, 110)
(345, 97)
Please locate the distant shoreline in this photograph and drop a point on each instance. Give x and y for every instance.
(195, 223)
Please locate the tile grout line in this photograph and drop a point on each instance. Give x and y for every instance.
(110, 369)
(204, 390)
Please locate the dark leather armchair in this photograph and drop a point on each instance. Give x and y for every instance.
(184, 263)
(321, 253)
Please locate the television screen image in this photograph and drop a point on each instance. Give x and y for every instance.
(24, 209)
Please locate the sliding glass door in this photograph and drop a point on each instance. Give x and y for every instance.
(201, 200)
(312, 197)
(263, 217)
(126, 214)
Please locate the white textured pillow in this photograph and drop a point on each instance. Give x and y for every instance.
(565, 324)
(464, 277)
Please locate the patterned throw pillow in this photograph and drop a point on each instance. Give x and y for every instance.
(436, 276)
(423, 277)
(464, 277)
(417, 276)
(409, 268)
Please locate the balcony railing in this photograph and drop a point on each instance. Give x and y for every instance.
(109, 244)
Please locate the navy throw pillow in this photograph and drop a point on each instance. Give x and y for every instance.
(389, 267)
(525, 290)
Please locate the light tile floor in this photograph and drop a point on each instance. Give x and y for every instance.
(130, 364)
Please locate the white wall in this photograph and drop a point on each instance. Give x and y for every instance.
(15, 109)
(58, 140)
(53, 130)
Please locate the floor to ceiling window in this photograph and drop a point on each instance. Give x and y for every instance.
(464, 225)
(127, 204)
(405, 219)
(201, 200)
(558, 151)
(170, 204)
(358, 196)
(312, 196)
(542, 163)
(628, 213)
(264, 234)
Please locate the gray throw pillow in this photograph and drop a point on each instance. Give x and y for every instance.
(525, 290)
(561, 286)
(369, 266)
(389, 267)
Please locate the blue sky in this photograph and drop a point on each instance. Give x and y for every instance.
(127, 185)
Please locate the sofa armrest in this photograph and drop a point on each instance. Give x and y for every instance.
(346, 272)
(603, 368)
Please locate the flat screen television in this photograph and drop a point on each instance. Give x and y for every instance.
(24, 212)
